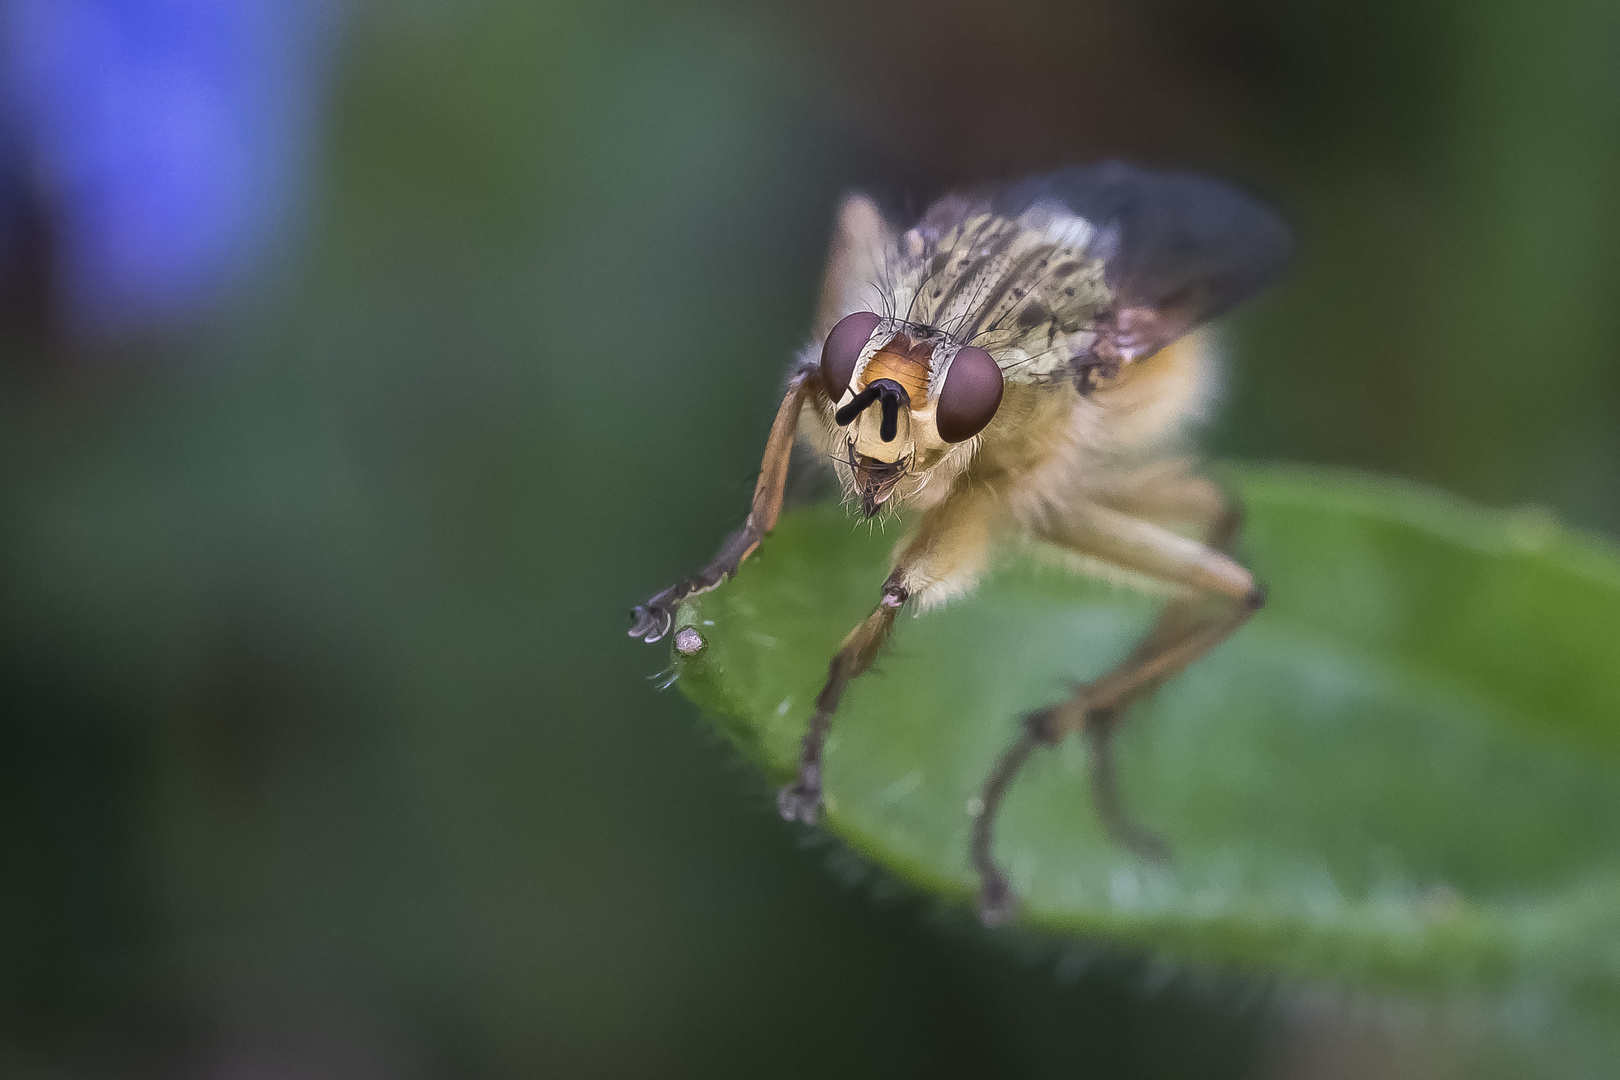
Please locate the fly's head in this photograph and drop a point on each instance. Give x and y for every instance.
(908, 402)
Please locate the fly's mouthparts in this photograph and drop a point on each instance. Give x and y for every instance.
(876, 480)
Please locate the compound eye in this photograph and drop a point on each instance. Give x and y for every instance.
(843, 348)
(970, 396)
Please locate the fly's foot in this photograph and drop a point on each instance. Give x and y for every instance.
(996, 900)
(801, 800)
(653, 619)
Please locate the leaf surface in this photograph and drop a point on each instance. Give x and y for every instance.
(1404, 772)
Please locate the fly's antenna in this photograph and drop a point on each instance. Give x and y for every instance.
(849, 412)
(890, 393)
(891, 416)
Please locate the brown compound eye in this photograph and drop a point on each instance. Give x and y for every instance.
(843, 348)
(970, 396)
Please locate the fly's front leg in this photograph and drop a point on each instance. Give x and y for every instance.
(1185, 631)
(654, 618)
(943, 558)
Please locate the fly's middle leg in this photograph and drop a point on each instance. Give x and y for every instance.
(941, 558)
(801, 800)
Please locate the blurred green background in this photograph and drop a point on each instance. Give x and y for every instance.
(323, 752)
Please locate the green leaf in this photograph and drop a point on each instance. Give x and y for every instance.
(1404, 773)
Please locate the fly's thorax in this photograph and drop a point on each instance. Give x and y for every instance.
(1023, 286)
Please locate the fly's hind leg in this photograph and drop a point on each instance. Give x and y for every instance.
(1180, 618)
(1219, 597)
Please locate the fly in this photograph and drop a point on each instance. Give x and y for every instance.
(1024, 362)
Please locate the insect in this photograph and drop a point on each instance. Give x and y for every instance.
(1023, 363)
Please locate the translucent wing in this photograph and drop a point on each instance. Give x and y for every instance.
(1178, 248)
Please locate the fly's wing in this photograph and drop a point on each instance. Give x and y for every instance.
(860, 245)
(1178, 249)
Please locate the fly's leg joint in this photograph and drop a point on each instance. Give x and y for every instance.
(895, 592)
(1043, 726)
(1051, 725)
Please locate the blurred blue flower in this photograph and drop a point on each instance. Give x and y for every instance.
(166, 143)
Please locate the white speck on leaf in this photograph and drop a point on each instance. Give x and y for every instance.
(898, 790)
